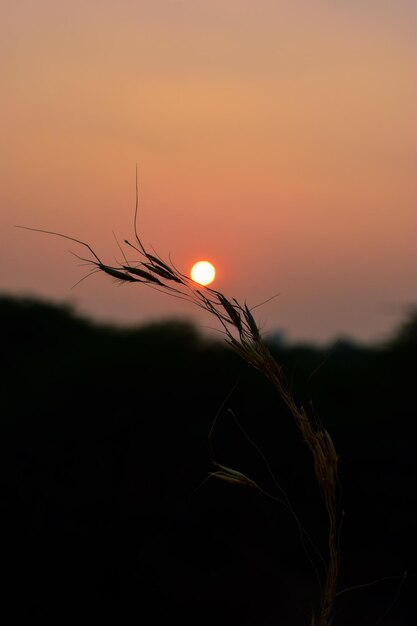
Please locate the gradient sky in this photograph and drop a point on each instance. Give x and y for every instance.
(275, 138)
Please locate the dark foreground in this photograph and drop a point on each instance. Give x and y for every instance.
(106, 513)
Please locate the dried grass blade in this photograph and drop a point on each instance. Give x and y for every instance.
(117, 274)
(167, 274)
(252, 324)
(155, 259)
(231, 311)
(233, 476)
(146, 275)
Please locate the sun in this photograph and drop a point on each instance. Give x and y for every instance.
(203, 272)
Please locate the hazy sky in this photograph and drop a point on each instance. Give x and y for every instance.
(275, 138)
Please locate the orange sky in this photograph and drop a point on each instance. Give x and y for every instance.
(275, 138)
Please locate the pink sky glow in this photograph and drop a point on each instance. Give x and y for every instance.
(276, 139)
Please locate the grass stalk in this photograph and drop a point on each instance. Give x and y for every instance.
(243, 335)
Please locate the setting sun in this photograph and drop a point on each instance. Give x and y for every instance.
(203, 272)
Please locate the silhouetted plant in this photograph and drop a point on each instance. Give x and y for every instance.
(242, 333)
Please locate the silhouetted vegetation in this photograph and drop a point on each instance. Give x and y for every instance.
(105, 506)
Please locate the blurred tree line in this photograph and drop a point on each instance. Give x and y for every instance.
(105, 502)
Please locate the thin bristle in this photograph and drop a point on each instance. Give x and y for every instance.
(51, 232)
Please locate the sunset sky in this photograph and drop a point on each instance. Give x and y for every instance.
(275, 138)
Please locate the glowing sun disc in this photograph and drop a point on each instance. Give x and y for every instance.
(203, 272)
